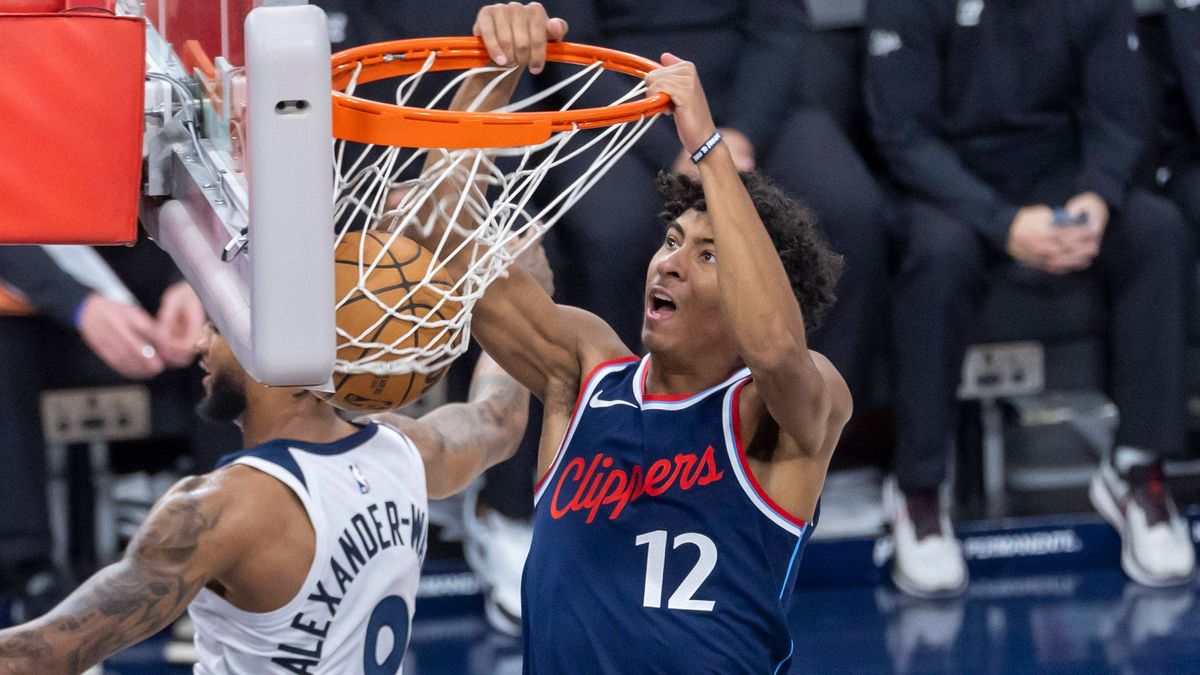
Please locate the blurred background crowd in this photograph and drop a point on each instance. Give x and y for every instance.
(1014, 184)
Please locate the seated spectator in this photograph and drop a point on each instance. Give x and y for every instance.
(1012, 131)
(1178, 158)
(122, 314)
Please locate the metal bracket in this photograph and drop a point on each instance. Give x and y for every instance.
(1002, 370)
(236, 246)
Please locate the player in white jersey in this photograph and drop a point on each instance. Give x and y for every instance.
(365, 496)
(300, 554)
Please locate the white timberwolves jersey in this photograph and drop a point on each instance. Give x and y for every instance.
(366, 498)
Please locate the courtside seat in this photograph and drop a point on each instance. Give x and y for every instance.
(1065, 314)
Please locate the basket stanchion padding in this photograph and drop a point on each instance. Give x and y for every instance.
(71, 119)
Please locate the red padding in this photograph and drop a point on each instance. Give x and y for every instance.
(31, 6)
(109, 6)
(71, 118)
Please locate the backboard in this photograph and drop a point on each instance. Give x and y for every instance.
(238, 185)
(240, 179)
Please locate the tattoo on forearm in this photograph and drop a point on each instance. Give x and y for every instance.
(24, 646)
(126, 601)
(485, 425)
(493, 385)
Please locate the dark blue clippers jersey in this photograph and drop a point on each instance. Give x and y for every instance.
(654, 549)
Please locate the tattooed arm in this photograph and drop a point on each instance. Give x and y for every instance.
(184, 543)
(460, 441)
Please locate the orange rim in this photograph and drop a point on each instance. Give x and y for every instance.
(364, 121)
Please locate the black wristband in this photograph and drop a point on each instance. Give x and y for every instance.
(707, 147)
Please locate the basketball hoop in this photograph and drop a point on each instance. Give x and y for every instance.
(499, 158)
(365, 121)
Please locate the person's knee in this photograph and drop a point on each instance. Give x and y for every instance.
(1154, 229)
(856, 223)
(1184, 190)
(937, 244)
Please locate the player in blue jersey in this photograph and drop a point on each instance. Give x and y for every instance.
(678, 489)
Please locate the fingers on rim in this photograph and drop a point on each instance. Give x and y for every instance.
(537, 29)
(522, 47)
(504, 38)
(486, 25)
(557, 28)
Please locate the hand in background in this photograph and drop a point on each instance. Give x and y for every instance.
(180, 318)
(1092, 206)
(1035, 240)
(123, 336)
(1082, 242)
(739, 146)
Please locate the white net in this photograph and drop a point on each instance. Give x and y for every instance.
(494, 210)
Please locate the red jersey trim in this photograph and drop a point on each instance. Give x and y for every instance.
(583, 387)
(736, 421)
(643, 397)
(662, 398)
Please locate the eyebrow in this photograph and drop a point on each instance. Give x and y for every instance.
(675, 224)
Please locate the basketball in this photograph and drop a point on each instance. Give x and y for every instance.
(399, 273)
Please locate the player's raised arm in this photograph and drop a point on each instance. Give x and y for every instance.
(190, 537)
(802, 391)
(541, 344)
(459, 441)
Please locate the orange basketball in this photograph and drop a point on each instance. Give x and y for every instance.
(400, 271)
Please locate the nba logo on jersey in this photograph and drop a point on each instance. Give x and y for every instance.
(363, 486)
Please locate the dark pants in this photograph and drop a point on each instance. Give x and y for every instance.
(1184, 189)
(1143, 267)
(35, 355)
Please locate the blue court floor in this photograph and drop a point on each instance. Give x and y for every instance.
(1090, 622)
(1046, 596)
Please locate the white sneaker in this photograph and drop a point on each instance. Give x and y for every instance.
(1156, 548)
(929, 564)
(495, 548)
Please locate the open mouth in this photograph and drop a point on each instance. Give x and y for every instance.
(660, 306)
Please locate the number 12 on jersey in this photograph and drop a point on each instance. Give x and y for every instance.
(656, 560)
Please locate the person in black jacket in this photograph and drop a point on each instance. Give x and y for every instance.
(991, 115)
(1180, 123)
(79, 336)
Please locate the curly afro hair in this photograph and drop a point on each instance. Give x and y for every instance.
(811, 266)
